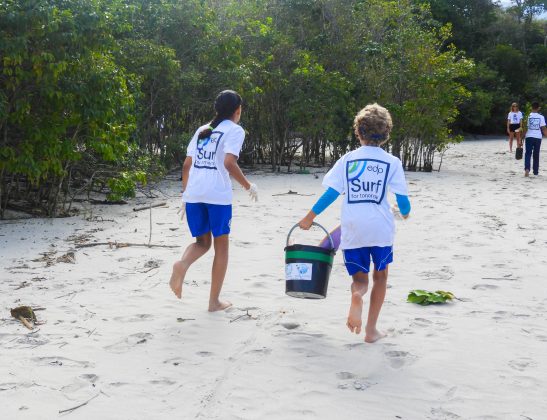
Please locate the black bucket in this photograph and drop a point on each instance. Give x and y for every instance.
(307, 268)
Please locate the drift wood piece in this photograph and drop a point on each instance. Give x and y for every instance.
(149, 207)
(124, 245)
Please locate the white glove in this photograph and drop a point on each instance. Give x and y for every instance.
(182, 210)
(253, 192)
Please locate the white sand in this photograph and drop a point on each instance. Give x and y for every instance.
(478, 229)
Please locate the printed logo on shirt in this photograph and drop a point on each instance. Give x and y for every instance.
(515, 120)
(207, 150)
(367, 180)
(533, 123)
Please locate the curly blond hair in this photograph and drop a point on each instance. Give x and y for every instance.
(373, 124)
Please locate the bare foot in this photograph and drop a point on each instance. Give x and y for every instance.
(355, 313)
(177, 278)
(526, 173)
(373, 336)
(219, 306)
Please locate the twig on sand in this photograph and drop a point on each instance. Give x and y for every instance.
(124, 245)
(246, 314)
(69, 410)
(150, 234)
(290, 192)
(185, 319)
(68, 294)
(150, 206)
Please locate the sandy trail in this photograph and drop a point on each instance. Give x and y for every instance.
(115, 330)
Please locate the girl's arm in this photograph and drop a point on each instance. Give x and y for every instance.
(324, 201)
(230, 163)
(186, 171)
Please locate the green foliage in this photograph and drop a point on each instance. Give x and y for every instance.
(99, 94)
(423, 297)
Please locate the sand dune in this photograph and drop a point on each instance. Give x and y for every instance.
(115, 333)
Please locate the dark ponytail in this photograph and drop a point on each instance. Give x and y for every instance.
(226, 103)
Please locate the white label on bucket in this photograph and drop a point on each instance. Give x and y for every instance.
(298, 271)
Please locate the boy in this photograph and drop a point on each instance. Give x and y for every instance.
(364, 176)
(536, 127)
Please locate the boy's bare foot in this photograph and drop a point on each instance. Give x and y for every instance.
(177, 278)
(373, 336)
(355, 313)
(526, 173)
(219, 306)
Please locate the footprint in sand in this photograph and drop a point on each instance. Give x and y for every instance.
(345, 375)
(398, 359)
(134, 318)
(440, 413)
(351, 381)
(61, 361)
(422, 322)
(521, 364)
(485, 287)
(204, 353)
(129, 342)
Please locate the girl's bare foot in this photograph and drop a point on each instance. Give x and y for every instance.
(374, 335)
(355, 313)
(218, 306)
(177, 278)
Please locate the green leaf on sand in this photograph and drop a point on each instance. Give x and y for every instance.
(423, 297)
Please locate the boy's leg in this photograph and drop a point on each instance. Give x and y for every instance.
(527, 155)
(192, 253)
(377, 296)
(220, 264)
(358, 288)
(537, 145)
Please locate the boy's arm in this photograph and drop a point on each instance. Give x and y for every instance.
(404, 205)
(324, 201)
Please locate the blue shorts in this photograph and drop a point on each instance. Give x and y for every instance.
(204, 218)
(358, 259)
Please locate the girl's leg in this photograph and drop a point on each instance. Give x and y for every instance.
(358, 288)
(192, 253)
(511, 134)
(377, 296)
(220, 264)
(519, 141)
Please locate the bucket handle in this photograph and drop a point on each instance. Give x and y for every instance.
(313, 224)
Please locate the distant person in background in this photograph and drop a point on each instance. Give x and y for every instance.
(536, 130)
(513, 125)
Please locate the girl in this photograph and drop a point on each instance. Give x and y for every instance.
(207, 192)
(367, 230)
(513, 125)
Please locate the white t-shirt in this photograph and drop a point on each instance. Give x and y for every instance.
(514, 117)
(364, 176)
(535, 122)
(209, 181)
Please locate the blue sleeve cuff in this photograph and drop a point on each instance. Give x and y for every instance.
(325, 200)
(404, 204)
